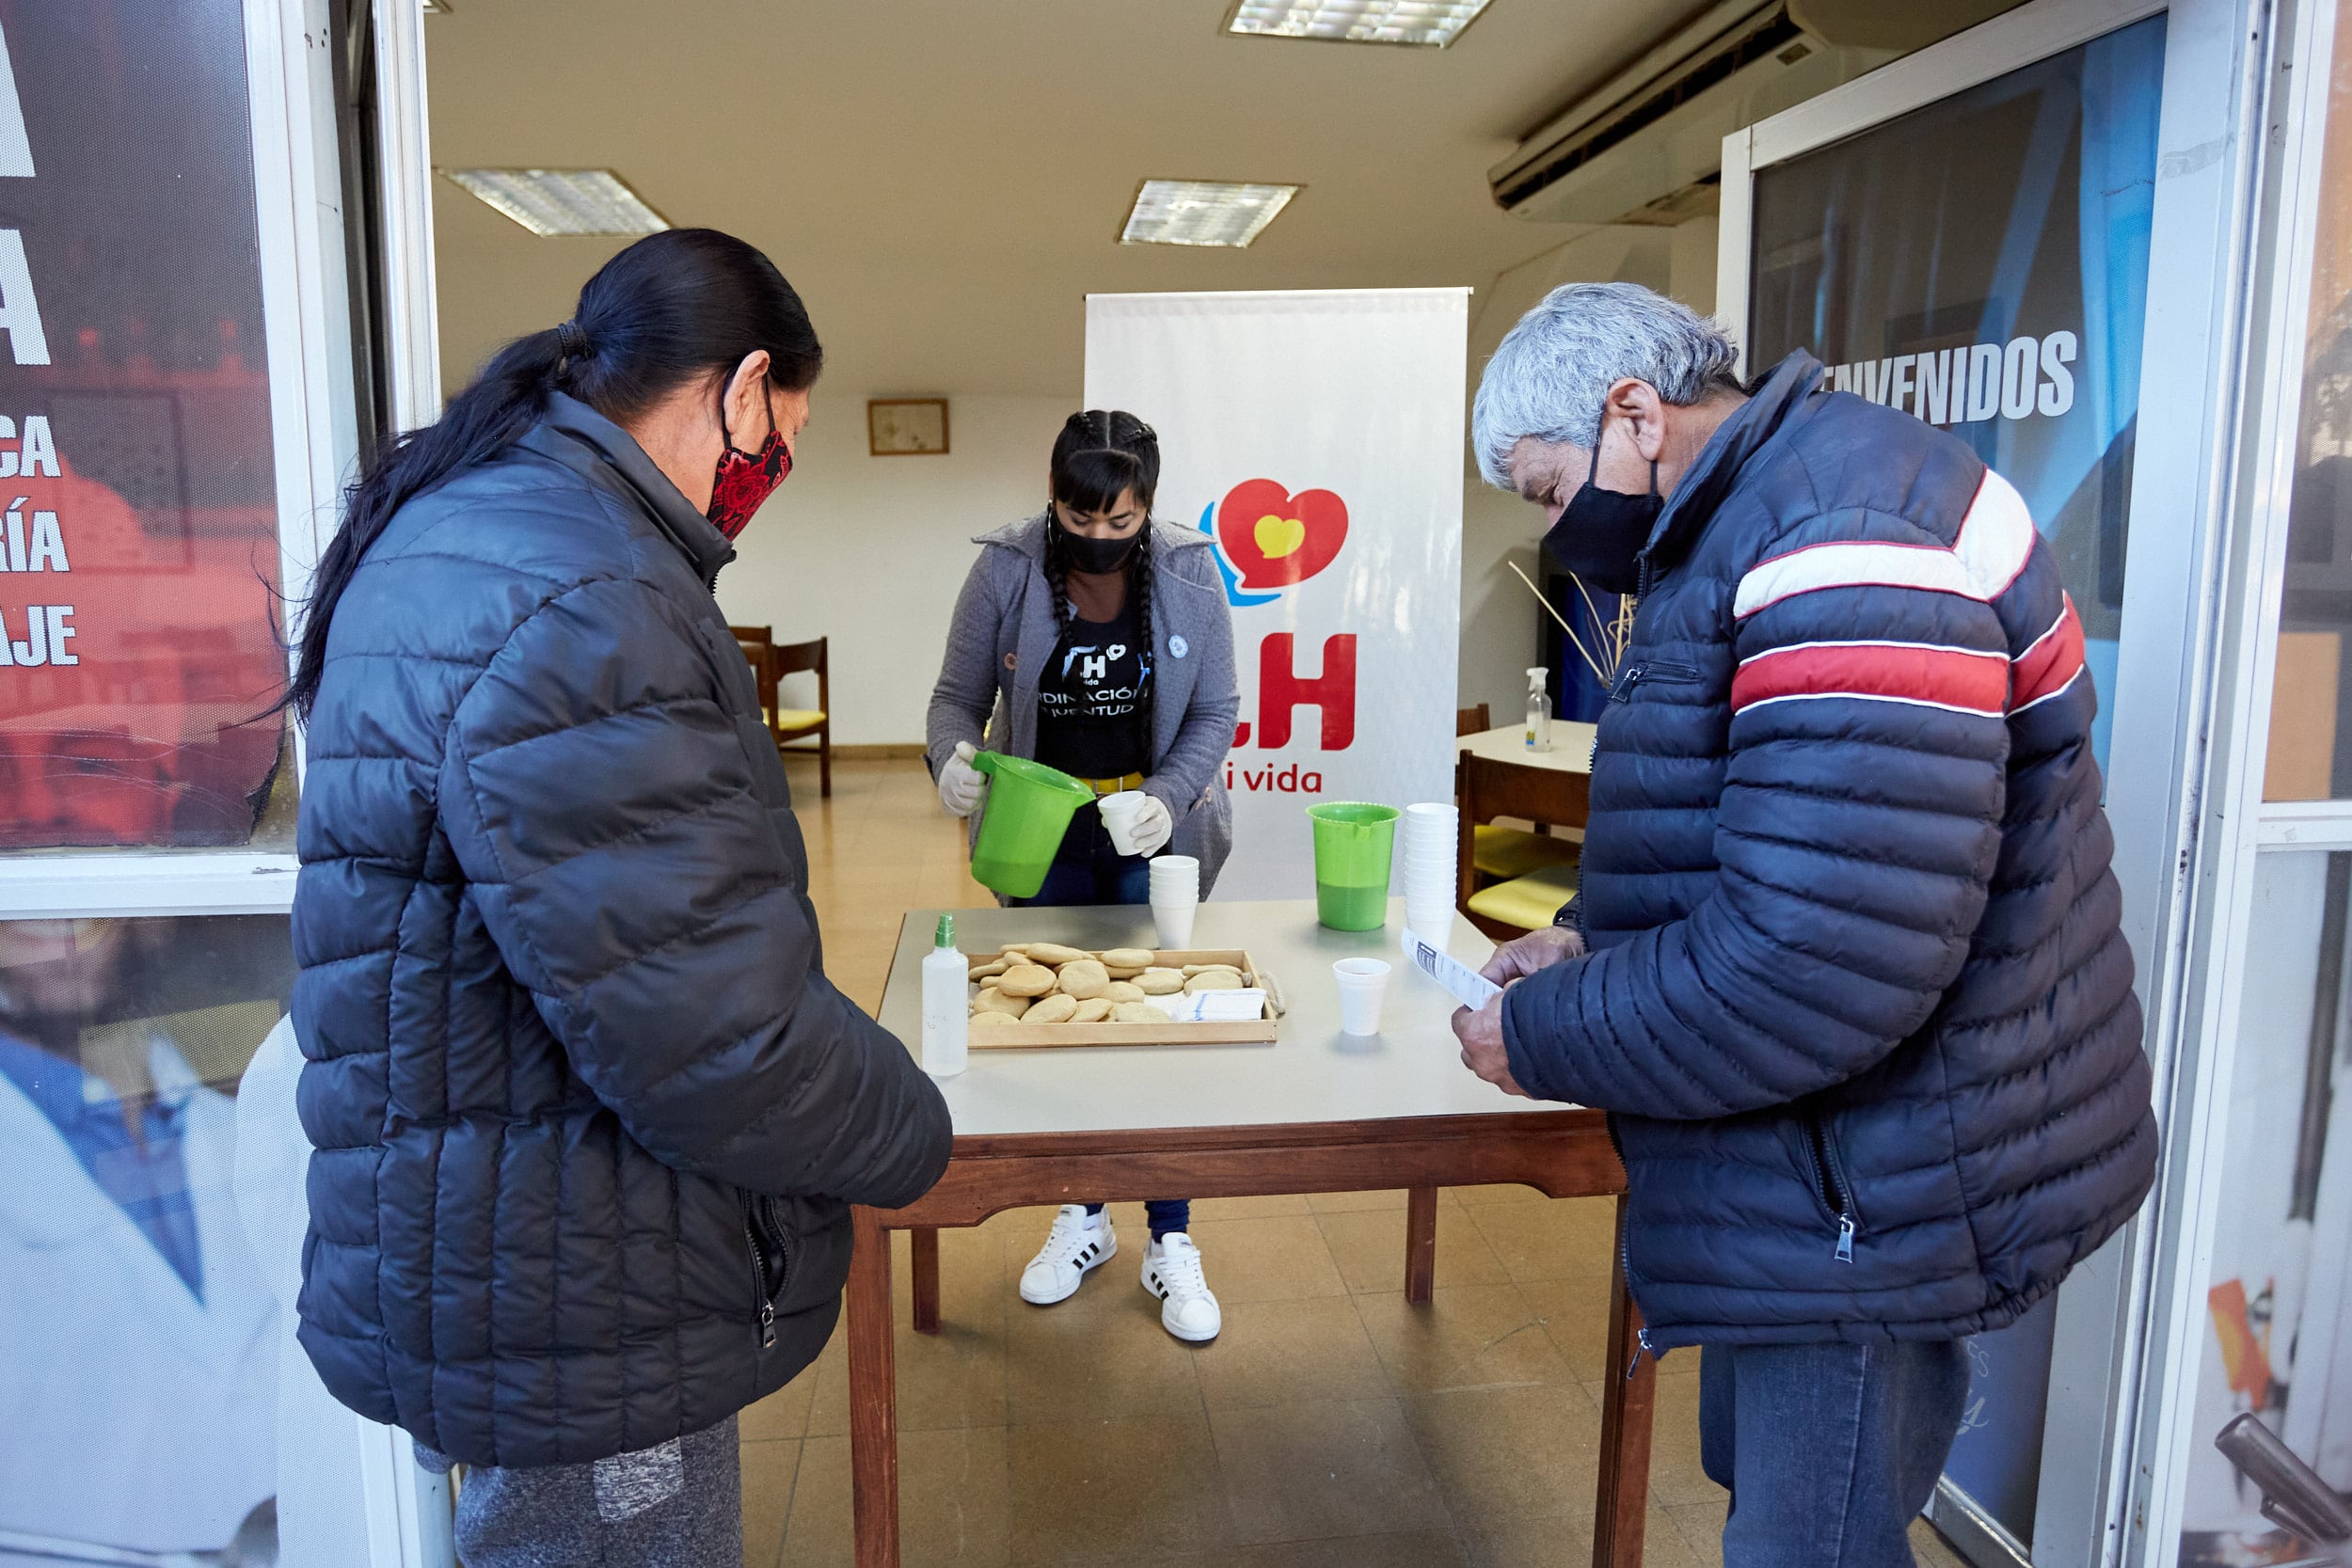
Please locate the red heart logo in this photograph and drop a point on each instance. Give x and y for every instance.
(1275, 539)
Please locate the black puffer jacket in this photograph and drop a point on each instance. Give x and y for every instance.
(587, 1112)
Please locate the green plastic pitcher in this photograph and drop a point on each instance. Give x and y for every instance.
(1029, 808)
(1355, 842)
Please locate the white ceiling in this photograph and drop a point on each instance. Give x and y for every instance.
(944, 180)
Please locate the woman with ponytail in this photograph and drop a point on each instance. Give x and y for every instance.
(1096, 640)
(587, 1115)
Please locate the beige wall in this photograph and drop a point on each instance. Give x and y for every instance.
(871, 551)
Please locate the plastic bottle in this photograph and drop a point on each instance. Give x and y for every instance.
(1539, 710)
(947, 1004)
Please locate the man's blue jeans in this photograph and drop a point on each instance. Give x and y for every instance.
(1830, 1450)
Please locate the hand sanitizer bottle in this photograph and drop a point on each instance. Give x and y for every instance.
(947, 1004)
(1539, 710)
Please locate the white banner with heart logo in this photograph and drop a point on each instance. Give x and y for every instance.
(1317, 435)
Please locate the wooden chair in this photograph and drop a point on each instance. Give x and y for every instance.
(1505, 906)
(795, 723)
(1469, 720)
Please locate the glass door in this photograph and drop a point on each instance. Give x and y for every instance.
(177, 391)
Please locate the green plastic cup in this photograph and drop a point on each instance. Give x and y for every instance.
(1028, 810)
(1355, 843)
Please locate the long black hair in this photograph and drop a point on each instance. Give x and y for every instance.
(675, 305)
(1099, 455)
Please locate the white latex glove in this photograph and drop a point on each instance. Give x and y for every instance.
(1153, 826)
(961, 786)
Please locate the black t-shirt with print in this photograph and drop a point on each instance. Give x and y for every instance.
(1089, 703)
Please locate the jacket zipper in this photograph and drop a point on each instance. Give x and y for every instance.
(1835, 1188)
(1624, 1263)
(1634, 674)
(766, 1299)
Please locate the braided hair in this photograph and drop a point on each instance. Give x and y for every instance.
(1099, 455)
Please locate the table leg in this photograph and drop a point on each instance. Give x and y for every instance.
(925, 1247)
(1628, 1397)
(873, 1397)
(1420, 1244)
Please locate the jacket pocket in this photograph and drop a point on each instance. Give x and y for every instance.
(1638, 673)
(1831, 1186)
(769, 1251)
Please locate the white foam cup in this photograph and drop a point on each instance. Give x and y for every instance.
(1119, 816)
(1175, 897)
(1362, 982)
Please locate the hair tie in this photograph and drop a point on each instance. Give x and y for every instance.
(571, 340)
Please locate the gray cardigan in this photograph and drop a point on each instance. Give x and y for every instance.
(1003, 635)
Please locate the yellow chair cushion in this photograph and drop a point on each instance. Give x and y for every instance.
(799, 718)
(1507, 852)
(1528, 902)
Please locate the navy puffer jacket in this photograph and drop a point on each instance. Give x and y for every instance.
(587, 1112)
(1856, 992)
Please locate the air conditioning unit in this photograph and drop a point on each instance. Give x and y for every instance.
(1648, 145)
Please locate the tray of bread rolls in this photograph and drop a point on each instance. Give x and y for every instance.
(1042, 994)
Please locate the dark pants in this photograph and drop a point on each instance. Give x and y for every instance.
(1087, 870)
(1829, 1451)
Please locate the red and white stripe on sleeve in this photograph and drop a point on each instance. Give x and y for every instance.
(1991, 550)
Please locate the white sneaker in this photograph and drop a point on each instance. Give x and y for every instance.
(1172, 1271)
(1078, 1243)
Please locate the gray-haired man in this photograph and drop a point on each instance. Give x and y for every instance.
(1855, 992)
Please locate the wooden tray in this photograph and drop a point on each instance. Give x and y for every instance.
(1023, 1036)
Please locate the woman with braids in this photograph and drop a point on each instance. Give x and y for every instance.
(1097, 641)
(587, 1115)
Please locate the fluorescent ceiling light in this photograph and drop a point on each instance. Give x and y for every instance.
(1432, 23)
(1202, 212)
(563, 200)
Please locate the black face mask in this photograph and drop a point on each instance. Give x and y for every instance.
(1600, 534)
(1097, 557)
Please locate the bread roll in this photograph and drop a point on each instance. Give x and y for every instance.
(1054, 1009)
(1123, 990)
(992, 1020)
(1054, 953)
(1160, 982)
(1138, 1012)
(990, 969)
(1214, 979)
(991, 999)
(1082, 978)
(1091, 1012)
(1026, 980)
(1128, 958)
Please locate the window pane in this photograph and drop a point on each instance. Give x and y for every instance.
(140, 1339)
(2277, 1342)
(138, 539)
(1982, 263)
(2310, 746)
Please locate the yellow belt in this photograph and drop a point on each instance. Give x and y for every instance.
(1112, 787)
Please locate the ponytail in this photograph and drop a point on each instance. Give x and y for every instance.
(675, 305)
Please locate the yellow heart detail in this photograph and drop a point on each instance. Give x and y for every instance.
(1278, 536)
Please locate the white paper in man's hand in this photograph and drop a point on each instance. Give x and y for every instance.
(1463, 983)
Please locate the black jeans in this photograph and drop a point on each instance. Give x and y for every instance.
(1088, 870)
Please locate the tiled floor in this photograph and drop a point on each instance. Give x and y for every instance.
(1331, 1426)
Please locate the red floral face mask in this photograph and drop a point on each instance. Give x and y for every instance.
(744, 478)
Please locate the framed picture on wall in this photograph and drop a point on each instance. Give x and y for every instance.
(906, 427)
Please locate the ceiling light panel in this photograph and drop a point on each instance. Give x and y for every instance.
(563, 200)
(1432, 24)
(1202, 212)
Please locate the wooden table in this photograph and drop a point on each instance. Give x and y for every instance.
(1315, 1112)
(1571, 747)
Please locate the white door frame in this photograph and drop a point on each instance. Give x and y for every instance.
(2208, 165)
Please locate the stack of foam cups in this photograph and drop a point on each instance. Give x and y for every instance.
(1175, 895)
(1427, 851)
